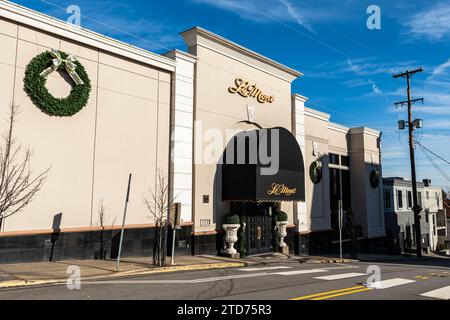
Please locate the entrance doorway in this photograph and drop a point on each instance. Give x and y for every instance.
(258, 220)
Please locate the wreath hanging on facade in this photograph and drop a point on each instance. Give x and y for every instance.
(36, 74)
(315, 171)
(374, 178)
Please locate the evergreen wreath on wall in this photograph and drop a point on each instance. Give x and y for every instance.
(36, 77)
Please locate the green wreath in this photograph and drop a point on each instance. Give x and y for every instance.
(315, 171)
(34, 85)
(374, 178)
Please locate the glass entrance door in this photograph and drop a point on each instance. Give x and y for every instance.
(259, 235)
(258, 229)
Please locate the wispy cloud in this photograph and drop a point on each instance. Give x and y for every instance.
(375, 88)
(368, 66)
(431, 24)
(436, 110)
(440, 70)
(257, 10)
(295, 14)
(114, 20)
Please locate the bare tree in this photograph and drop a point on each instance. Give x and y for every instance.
(18, 184)
(158, 204)
(102, 222)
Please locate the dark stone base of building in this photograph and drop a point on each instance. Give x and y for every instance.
(141, 241)
(320, 243)
(86, 245)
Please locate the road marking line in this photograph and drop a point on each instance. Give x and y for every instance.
(342, 294)
(238, 276)
(389, 283)
(181, 281)
(442, 293)
(294, 272)
(341, 276)
(264, 268)
(328, 293)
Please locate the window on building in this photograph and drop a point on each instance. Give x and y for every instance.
(346, 189)
(437, 199)
(427, 194)
(335, 189)
(434, 224)
(345, 161)
(340, 189)
(419, 199)
(409, 199)
(399, 199)
(387, 198)
(334, 158)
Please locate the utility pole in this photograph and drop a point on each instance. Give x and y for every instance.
(412, 124)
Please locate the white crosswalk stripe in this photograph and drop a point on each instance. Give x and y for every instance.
(341, 276)
(442, 293)
(264, 268)
(389, 283)
(295, 272)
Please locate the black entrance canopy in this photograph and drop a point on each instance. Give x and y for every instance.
(263, 165)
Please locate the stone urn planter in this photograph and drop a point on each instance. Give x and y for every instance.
(231, 237)
(282, 231)
(232, 223)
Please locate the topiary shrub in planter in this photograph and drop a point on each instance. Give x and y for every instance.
(282, 216)
(231, 218)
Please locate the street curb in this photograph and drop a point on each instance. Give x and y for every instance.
(138, 272)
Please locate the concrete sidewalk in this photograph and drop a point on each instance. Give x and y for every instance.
(44, 273)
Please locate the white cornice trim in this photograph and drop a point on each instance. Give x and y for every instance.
(317, 114)
(238, 48)
(338, 127)
(181, 55)
(49, 24)
(365, 130)
(299, 97)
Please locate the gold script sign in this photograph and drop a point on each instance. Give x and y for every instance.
(279, 189)
(249, 90)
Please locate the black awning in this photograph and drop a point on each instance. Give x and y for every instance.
(247, 175)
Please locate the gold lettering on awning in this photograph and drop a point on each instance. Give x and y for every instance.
(278, 189)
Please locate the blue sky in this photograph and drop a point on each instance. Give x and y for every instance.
(348, 68)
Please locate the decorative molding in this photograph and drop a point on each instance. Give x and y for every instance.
(59, 28)
(238, 48)
(317, 114)
(338, 128)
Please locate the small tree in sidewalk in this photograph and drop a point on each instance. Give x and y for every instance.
(18, 184)
(158, 204)
(103, 220)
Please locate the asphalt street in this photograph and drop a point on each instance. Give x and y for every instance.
(427, 280)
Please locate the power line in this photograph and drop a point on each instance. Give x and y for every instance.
(435, 165)
(434, 154)
(111, 27)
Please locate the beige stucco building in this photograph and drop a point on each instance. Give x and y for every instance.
(175, 114)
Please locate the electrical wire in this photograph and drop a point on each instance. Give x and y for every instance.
(434, 154)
